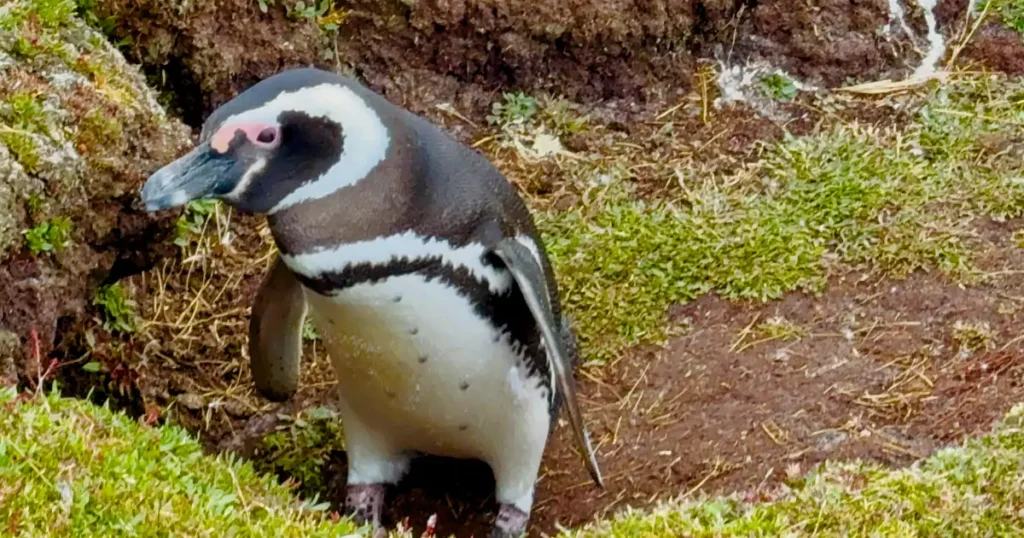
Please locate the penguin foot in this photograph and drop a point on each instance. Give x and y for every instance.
(511, 522)
(365, 503)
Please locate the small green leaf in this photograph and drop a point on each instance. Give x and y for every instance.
(92, 366)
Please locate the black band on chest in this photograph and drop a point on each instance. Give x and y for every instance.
(507, 310)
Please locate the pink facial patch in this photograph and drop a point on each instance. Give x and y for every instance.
(265, 135)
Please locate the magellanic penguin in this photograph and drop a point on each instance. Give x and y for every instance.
(420, 267)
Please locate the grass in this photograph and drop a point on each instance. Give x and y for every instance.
(1011, 11)
(192, 222)
(301, 449)
(116, 307)
(888, 200)
(70, 468)
(969, 490)
(779, 87)
(513, 109)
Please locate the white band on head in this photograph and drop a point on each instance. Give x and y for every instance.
(366, 139)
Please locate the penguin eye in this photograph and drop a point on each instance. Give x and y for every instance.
(267, 136)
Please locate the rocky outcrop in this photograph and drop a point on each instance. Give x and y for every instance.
(79, 132)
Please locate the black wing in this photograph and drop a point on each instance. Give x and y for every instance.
(529, 274)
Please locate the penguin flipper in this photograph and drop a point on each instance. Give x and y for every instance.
(529, 275)
(275, 333)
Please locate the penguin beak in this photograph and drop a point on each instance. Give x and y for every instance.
(201, 173)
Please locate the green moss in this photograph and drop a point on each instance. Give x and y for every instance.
(21, 116)
(54, 13)
(301, 449)
(96, 130)
(34, 204)
(890, 201)
(70, 468)
(24, 111)
(49, 236)
(116, 307)
(22, 147)
(50, 14)
(971, 490)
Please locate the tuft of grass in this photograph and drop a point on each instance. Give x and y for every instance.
(888, 200)
(779, 87)
(117, 308)
(514, 109)
(71, 468)
(968, 490)
(87, 11)
(301, 448)
(192, 221)
(49, 236)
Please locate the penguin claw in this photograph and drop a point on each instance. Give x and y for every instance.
(365, 502)
(511, 522)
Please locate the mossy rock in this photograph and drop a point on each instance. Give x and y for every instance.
(79, 132)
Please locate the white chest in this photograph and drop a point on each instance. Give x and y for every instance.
(417, 365)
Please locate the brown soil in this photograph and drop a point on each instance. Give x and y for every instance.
(421, 54)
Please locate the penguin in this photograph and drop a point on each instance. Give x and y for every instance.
(421, 268)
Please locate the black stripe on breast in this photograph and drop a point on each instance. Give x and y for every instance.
(507, 310)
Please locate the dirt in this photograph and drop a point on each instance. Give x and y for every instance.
(632, 54)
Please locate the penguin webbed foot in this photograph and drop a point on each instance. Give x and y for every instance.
(510, 523)
(365, 502)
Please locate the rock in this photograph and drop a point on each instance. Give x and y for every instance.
(79, 133)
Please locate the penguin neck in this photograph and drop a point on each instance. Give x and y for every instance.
(381, 203)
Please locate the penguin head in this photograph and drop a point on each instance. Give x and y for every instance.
(299, 135)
